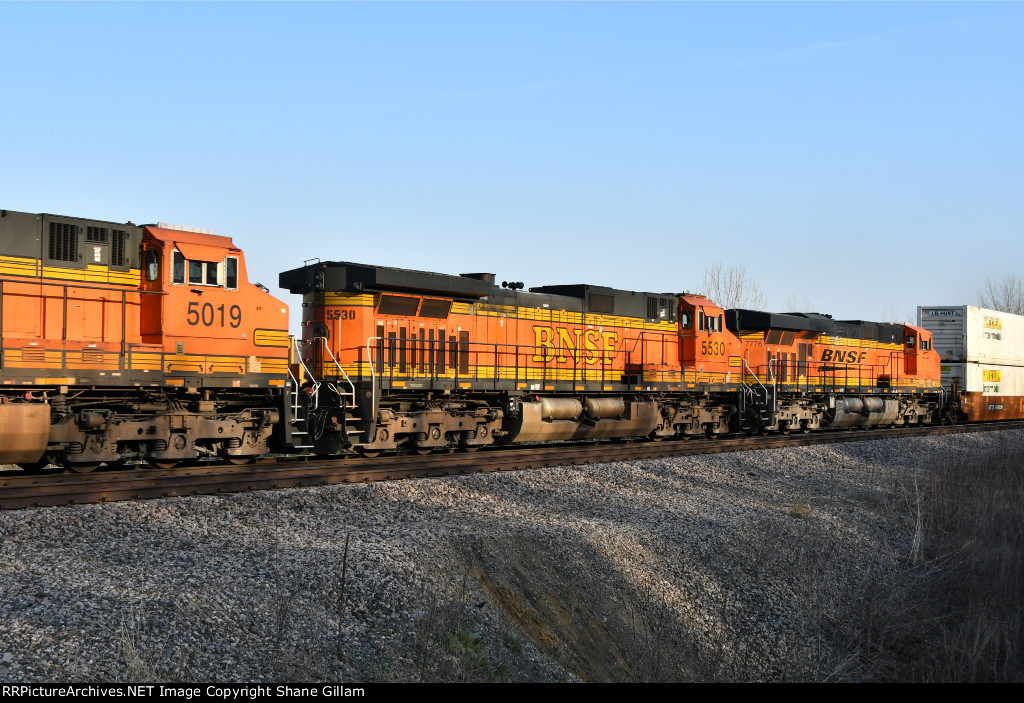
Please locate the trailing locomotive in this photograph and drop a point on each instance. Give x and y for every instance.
(420, 360)
(123, 342)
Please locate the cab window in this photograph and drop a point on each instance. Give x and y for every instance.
(202, 273)
(231, 275)
(709, 323)
(910, 342)
(152, 265)
(178, 267)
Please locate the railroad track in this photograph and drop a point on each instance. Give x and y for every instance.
(59, 488)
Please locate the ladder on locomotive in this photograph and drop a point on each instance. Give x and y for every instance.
(760, 398)
(340, 385)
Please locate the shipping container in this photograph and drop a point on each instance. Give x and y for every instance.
(986, 379)
(968, 334)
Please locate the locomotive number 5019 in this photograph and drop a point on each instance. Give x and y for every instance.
(211, 316)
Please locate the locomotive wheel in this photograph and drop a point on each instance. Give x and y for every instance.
(369, 453)
(82, 467)
(239, 460)
(423, 451)
(470, 447)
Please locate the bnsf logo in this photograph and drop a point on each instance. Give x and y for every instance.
(850, 357)
(594, 345)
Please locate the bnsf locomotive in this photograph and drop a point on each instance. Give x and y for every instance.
(123, 342)
(147, 343)
(424, 360)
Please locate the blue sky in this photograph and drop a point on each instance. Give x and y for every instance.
(864, 158)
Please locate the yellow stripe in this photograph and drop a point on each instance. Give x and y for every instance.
(145, 361)
(270, 338)
(182, 364)
(94, 274)
(569, 317)
(19, 266)
(27, 266)
(865, 343)
(275, 366)
(366, 300)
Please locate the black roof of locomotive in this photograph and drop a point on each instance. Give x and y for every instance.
(348, 277)
(344, 276)
(623, 302)
(887, 333)
(737, 319)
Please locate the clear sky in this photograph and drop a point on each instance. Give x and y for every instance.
(862, 158)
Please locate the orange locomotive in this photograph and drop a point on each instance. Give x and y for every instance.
(122, 342)
(409, 359)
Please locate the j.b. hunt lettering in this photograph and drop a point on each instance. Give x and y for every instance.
(568, 343)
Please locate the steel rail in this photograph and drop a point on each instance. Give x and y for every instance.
(18, 490)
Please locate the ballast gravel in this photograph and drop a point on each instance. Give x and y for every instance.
(717, 567)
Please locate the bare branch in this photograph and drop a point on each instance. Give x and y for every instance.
(1006, 295)
(896, 316)
(732, 287)
(798, 304)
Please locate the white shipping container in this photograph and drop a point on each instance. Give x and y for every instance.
(987, 379)
(964, 333)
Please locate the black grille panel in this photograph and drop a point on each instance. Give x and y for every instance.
(63, 242)
(117, 248)
(96, 234)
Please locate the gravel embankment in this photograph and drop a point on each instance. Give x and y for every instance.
(735, 566)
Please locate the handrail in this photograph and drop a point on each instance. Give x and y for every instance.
(73, 284)
(316, 383)
(373, 378)
(756, 377)
(323, 342)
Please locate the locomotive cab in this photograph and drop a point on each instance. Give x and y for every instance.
(202, 308)
(708, 348)
(919, 357)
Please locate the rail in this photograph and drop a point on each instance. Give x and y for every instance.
(394, 362)
(56, 488)
(404, 359)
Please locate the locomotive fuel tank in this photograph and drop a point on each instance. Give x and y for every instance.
(550, 419)
(864, 412)
(24, 428)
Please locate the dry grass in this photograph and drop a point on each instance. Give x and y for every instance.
(957, 614)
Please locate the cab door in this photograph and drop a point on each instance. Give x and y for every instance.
(910, 356)
(154, 271)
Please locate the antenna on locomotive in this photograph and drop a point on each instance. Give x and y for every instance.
(306, 261)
